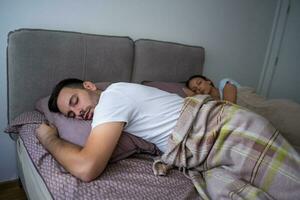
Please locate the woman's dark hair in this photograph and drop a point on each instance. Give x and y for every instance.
(197, 76)
(71, 83)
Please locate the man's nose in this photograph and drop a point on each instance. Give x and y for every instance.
(78, 112)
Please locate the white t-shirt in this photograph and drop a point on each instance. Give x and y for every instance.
(223, 83)
(148, 112)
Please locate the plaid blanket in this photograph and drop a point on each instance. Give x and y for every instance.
(231, 153)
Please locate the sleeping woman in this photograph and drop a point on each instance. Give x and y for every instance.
(199, 84)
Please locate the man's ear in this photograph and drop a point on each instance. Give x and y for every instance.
(89, 85)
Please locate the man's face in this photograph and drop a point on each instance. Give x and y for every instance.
(77, 103)
(200, 86)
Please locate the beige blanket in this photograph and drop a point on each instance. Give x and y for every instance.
(231, 153)
(284, 114)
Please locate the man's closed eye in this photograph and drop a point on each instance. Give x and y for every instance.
(73, 100)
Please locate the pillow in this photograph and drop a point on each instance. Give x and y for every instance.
(172, 87)
(30, 117)
(77, 131)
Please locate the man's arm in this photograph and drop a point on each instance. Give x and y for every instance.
(88, 162)
(230, 92)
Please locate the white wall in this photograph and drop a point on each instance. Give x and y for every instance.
(283, 81)
(234, 33)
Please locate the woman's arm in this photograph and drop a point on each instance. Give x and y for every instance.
(230, 92)
(188, 92)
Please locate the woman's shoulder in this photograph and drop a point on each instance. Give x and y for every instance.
(224, 81)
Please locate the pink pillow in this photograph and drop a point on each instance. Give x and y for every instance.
(172, 87)
(77, 131)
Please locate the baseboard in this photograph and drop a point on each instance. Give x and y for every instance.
(10, 184)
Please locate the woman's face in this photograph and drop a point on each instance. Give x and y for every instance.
(200, 86)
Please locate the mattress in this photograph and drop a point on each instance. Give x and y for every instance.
(33, 183)
(132, 178)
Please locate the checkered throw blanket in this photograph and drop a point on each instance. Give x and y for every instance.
(231, 153)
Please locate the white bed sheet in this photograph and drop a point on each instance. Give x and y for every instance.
(32, 182)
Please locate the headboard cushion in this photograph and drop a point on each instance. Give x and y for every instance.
(166, 61)
(38, 59)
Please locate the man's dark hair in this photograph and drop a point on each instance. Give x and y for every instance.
(71, 83)
(197, 76)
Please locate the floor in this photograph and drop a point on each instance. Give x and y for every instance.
(12, 190)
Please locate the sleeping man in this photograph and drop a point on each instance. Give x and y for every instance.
(227, 151)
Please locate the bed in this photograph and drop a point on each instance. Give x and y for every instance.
(38, 59)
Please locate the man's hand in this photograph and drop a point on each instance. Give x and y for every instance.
(45, 133)
(88, 162)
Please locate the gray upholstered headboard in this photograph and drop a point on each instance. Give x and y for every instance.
(38, 59)
(165, 61)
